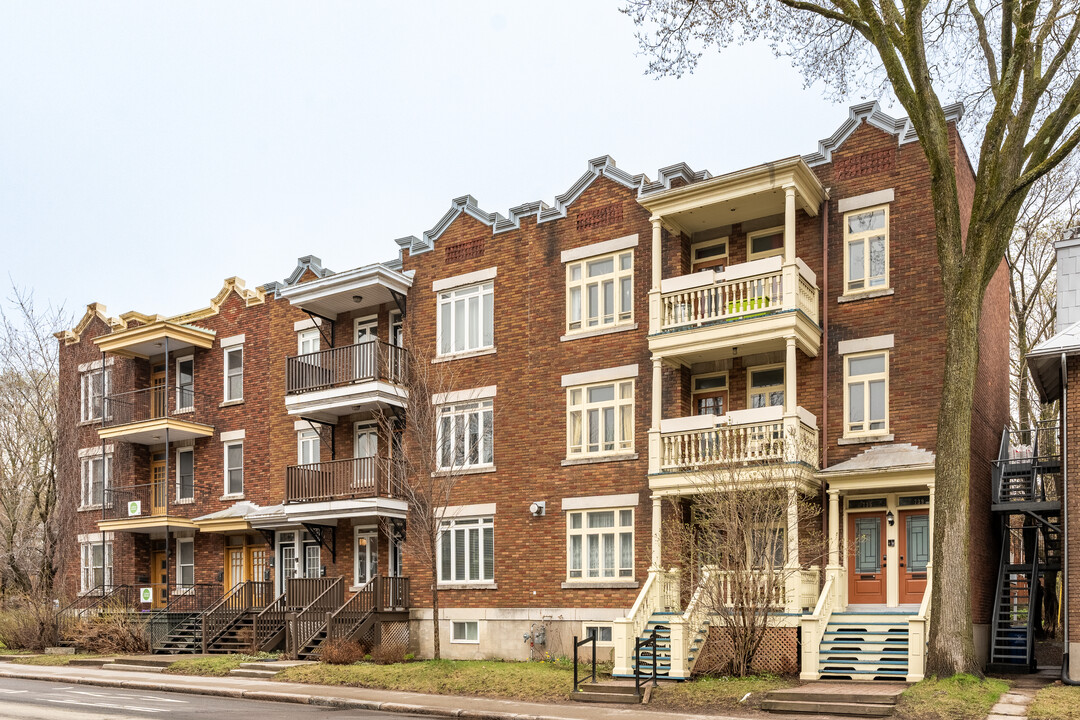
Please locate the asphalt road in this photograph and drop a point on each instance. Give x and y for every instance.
(40, 700)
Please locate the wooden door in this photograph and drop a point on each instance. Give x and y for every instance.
(866, 566)
(710, 403)
(234, 567)
(256, 563)
(159, 573)
(157, 396)
(914, 554)
(158, 484)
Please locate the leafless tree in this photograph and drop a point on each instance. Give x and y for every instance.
(1014, 64)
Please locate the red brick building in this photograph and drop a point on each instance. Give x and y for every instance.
(603, 349)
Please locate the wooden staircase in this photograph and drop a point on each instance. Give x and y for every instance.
(185, 636)
(865, 646)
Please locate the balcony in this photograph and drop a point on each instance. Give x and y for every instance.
(141, 508)
(155, 415)
(155, 337)
(348, 479)
(344, 380)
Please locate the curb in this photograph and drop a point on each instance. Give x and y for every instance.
(283, 697)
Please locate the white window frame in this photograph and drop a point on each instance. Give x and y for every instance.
(180, 565)
(179, 481)
(87, 566)
(371, 322)
(370, 532)
(865, 380)
(313, 337)
(864, 238)
(311, 438)
(449, 532)
(87, 411)
(620, 571)
(86, 466)
(598, 626)
(780, 545)
(751, 255)
(579, 283)
(181, 391)
(715, 259)
(457, 417)
(227, 469)
(579, 406)
(227, 374)
(464, 625)
(767, 389)
(446, 301)
(397, 329)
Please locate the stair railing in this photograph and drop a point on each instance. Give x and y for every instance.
(813, 629)
(236, 603)
(918, 627)
(590, 640)
(344, 621)
(694, 623)
(186, 601)
(309, 620)
(639, 644)
(119, 596)
(268, 622)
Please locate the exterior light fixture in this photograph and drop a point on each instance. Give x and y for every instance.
(890, 518)
(538, 508)
(358, 299)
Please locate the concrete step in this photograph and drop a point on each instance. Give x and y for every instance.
(162, 662)
(836, 696)
(604, 697)
(127, 667)
(262, 674)
(827, 708)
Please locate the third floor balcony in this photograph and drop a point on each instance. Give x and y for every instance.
(343, 380)
(155, 415)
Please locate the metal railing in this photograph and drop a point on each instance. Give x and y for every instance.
(590, 640)
(344, 479)
(639, 645)
(238, 602)
(138, 501)
(153, 403)
(186, 602)
(119, 598)
(307, 622)
(1028, 468)
(334, 367)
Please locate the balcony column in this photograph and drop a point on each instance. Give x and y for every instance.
(789, 224)
(657, 415)
(657, 275)
(657, 519)
(794, 576)
(834, 528)
(789, 378)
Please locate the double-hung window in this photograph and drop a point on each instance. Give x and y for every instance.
(185, 474)
(600, 291)
(95, 472)
(307, 450)
(600, 418)
(93, 387)
(185, 383)
(768, 551)
(766, 386)
(866, 400)
(185, 563)
(600, 544)
(467, 550)
(234, 468)
(234, 373)
(466, 435)
(95, 564)
(467, 319)
(866, 250)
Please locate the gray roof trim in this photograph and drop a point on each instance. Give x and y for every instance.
(871, 112)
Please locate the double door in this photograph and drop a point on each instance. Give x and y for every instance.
(243, 563)
(869, 577)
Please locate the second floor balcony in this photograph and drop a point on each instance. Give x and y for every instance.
(146, 507)
(347, 479)
(155, 415)
(343, 380)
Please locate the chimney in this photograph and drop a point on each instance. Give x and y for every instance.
(1068, 279)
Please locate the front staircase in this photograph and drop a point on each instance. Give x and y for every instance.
(865, 646)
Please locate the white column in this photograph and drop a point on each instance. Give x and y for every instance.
(657, 393)
(657, 519)
(834, 528)
(655, 320)
(789, 224)
(789, 378)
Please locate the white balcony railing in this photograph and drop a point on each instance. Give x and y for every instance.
(752, 288)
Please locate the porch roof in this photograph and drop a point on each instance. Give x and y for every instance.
(1044, 361)
(883, 458)
(231, 519)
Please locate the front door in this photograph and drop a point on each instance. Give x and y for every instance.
(866, 567)
(365, 448)
(159, 572)
(158, 486)
(157, 395)
(914, 554)
(234, 567)
(367, 556)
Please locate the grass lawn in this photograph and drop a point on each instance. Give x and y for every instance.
(961, 697)
(716, 693)
(55, 660)
(1056, 702)
(484, 678)
(216, 666)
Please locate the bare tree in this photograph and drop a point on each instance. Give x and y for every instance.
(1014, 63)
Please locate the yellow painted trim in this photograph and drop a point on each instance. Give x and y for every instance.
(145, 523)
(250, 296)
(172, 423)
(93, 310)
(154, 331)
(223, 526)
(776, 252)
(880, 479)
(865, 238)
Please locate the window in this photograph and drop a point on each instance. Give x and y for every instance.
(467, 319)
(312, 559)
(397, 329)
(467, 550)
(466, 435)
(767, 548)
(766, 387)
(307, 450)
(307, 341)
(185, 474)
(709, 255)
(185, 562)
(602, 633)
(600, 291)
(765, 243)
(234, 373)
(866, 250)
(234, 468)
(600, 418)
(709, 393)
(600, 544)
(94, 386)
(95, 479)
(866, 402)
(464, 632)
(185, 383)
(95, 566)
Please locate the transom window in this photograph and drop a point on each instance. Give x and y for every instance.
(600, 544)
(600, 291)
(866, 402)
(95, 479)
(93, 386)
(866, 250)
(467, 550)
(766, 387)
(600, 418)
(709, 255)
(765, 243)
(467, 319)
(234, 373)
(466, 435)
(709, 393)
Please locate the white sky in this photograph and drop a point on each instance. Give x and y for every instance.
(150, 149)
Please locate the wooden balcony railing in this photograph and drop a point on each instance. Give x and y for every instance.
(343, 479)
(335, 367)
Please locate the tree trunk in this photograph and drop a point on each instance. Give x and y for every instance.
(435, 601)
(951, 646)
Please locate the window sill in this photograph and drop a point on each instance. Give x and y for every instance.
(464, 642)
(92, 421)
(599, 459)
(88, 508)
(468, 586)
(590, 585)
(184, 501)
(578, 334)
(230, 403)
(464, 471)
(852, 297)
(865, 440)
(463, 355)
(234, 496)
(182, 411)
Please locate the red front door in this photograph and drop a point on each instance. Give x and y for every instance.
(914, 554)
(866, 561)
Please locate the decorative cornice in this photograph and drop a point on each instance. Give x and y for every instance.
(303, 264)
(93, 310)
(250, 296)
(871, 112)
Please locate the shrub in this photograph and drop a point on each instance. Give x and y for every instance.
(340, 651)
(388, 654)
(112, 633)
(26, 624)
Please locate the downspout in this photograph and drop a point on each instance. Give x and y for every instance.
(1065, 679)
(825, 363)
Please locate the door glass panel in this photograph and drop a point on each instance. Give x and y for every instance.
(918, 542)
(867, 545)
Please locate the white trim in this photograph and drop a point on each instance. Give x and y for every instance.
(95, 537)
(308, 324)
(860, 201)
(301, 425)
(471, 278)
(231, 436)
(457, 396)
(233, 340)
(95, 451)
(597, 376)
(860, 345)
(600, 248)
(595, 502)
(465, 511)
(95, 365)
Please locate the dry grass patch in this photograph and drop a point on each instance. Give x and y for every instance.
(51, 660)
(716, 693)
(1056, 702)
(216, 665)
(961, 697)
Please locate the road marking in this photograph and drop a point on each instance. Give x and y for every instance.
(152, 698)
(12, 692)
(113, 706)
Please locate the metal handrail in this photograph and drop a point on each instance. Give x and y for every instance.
(71, 613)
(344, 479)
(591, 639)
(153, 403)
(638, 645)
(333, 367)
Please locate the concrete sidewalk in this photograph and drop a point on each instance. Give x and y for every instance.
(344, 697)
